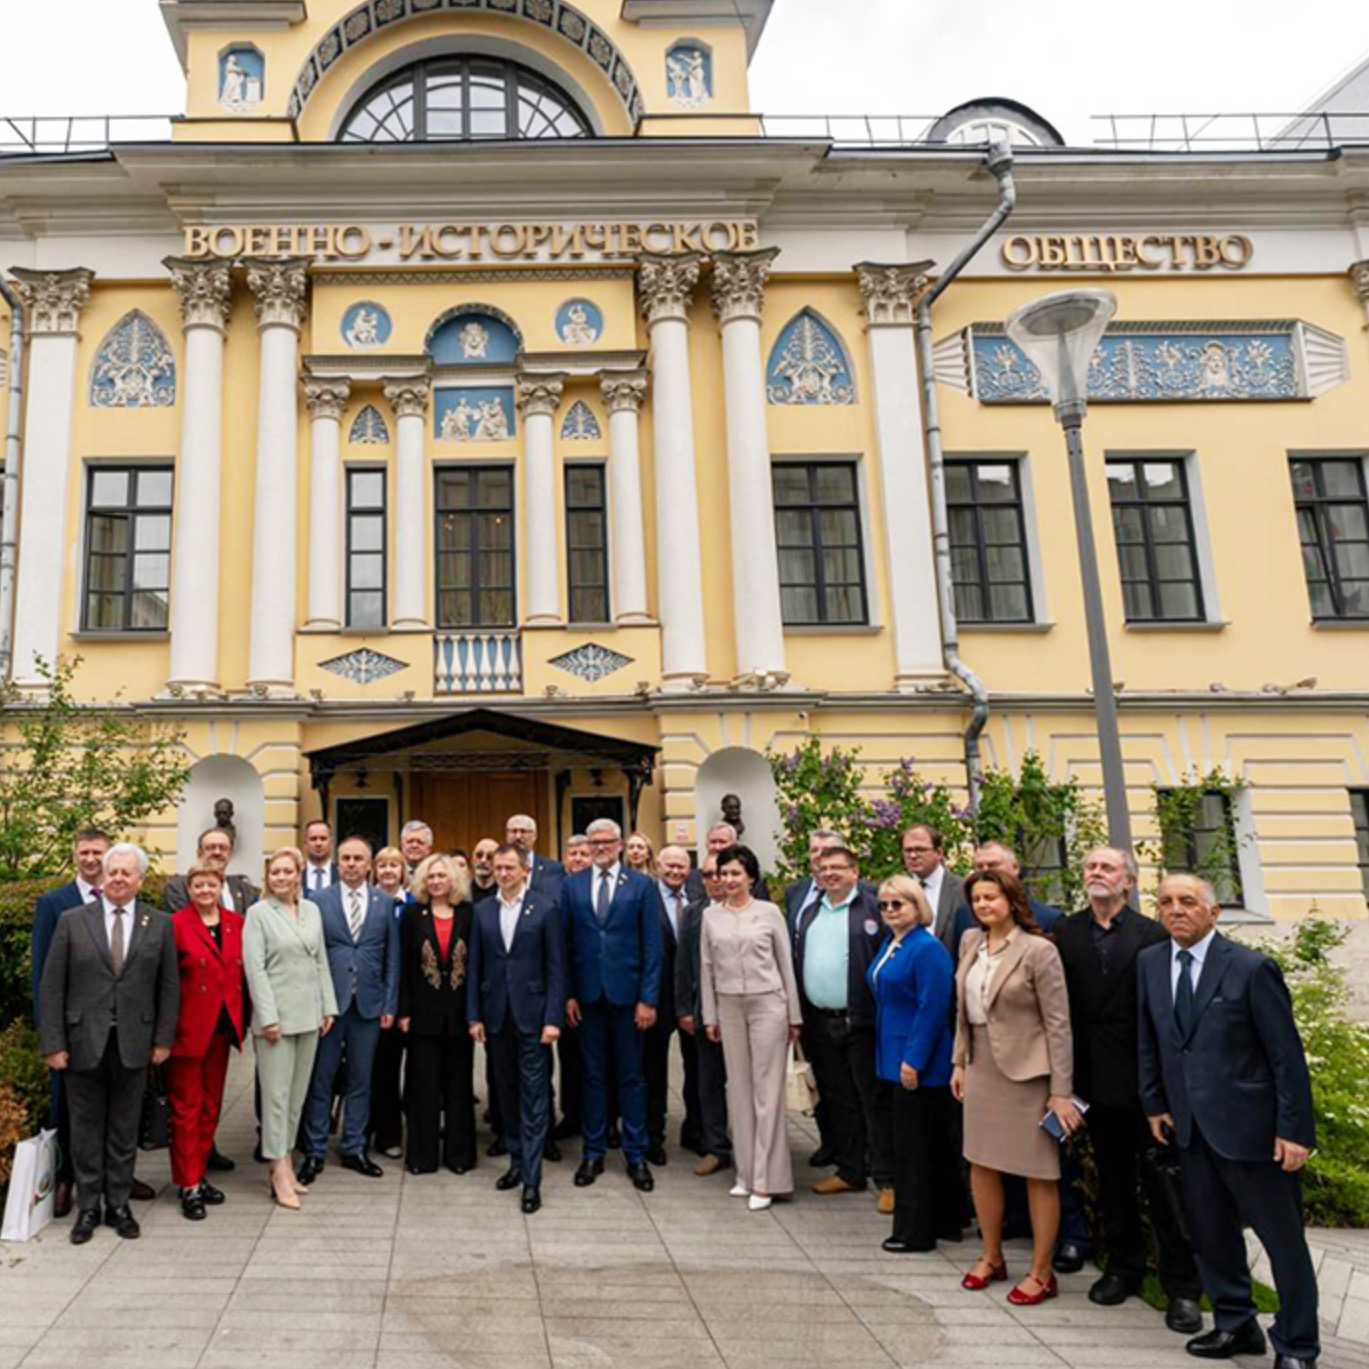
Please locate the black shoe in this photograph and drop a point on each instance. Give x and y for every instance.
(461, 1167)
(824, 1157)
(588, 1172)
(1111, 1290)
(141, 1192)
(510, 1178)
(1184, 1316)
(211, 1195)
(497, 1148)
(552, 1152)
(1293, 1362)
(419, 1169)
(394, 1151)
(641, 1177)
(565, 1130)
(192, 1204)
(952, 1235)
(309, 1169)
(123, 1221)
(83, 1228)
(362, 1164)
(532, 1199)
(615, 1137)
(1248, 1340)
(656, 1155)
(896, 1247)
(1069, 1259)
(220, 1164)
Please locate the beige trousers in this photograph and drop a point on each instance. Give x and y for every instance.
(283, 1071)
(755, 1030)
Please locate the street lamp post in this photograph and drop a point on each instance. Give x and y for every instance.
(1059, 334)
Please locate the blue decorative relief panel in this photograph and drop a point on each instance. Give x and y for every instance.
(363, 666)
(470, 338)
(689, 75)
(590, 662)
(242, 78)
(579, 323)
(369, 428)
(134, 368)
(580, 424)
(808, 365)
(366, 325)
(474, 414)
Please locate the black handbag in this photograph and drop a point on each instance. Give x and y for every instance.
(154, 1127)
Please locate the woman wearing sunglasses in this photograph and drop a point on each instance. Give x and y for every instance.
(913, 982)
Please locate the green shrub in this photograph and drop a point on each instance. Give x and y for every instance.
(22, 1069)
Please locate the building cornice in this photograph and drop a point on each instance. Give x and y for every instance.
(182, 16)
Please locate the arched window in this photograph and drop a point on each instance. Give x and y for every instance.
(463, 98)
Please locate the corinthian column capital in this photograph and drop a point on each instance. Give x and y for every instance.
(408, 398)
(738, 283)
(891, 292)
(205, 290)
(1359, 274)
(53, 299)
(665, 283)
(327, 398)
(623, 391)
(539, 394)
(280, 289)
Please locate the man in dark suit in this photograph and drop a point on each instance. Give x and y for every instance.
(415, 843)
(215, 849)
(834, 943)
(673, 864)
(924, 857)
(718, 837)
(1223, 1074)
(517, 1000)
(88, 851)
(110, 993)
(1099, 947)
(361, 936)
(320, 869)
(544, 874)
(612, 922)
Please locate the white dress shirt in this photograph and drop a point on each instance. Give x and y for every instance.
(226, 896)
(361, 897)
(880, 963)
(931, 886)
(1199, 953)
(509, 913)
(979, 980)
(672, 898)
(127, 920)
(87, 891)
(317, 877)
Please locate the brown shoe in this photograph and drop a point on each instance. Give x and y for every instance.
(61, 1199)
(710, 1164)
(141, 1192)
(834, 1183)
(886, 1201)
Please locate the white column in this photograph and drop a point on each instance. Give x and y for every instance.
(891, 294)
(279, 287)
(409, 400)
(53, 301)
(205, 292)
(738, 287)
(664, 285)
(623, 394)
(538, 398)
(326, 400)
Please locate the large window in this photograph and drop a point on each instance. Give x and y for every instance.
(128, 549)
(1333, 524)
(988, 542)
(475, 547)
(366, 547)
(463, 99)
(1208, 846)
(587, 544)
(1359, 806)
(817, 526)
(1155, 547)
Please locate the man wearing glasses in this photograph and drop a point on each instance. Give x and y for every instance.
(924, 857)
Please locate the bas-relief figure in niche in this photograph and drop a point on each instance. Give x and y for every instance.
(223, 818)
(578, 330)
(808, 366)
(483, 421)
(134, 368)
(731, 806)
(365, 329)
(688, 80)
(475, 341)
(240, 86)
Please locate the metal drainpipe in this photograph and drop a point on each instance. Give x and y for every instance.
(9, 525)
(999, 161)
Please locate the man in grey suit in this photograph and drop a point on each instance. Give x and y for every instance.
(111, 991)
(361, 934)
(924, 856)
(214, 848)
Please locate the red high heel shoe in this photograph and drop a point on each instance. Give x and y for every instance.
(1049, 1289)
(998, 1273)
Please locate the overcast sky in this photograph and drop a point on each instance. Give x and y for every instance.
(1066, 59)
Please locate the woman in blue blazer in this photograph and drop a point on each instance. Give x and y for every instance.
(913, 981)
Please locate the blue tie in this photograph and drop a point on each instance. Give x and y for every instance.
(605, 898)
(1183, 998)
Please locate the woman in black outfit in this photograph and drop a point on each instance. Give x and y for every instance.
(435, 934)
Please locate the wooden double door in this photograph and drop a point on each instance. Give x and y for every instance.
(462, 806)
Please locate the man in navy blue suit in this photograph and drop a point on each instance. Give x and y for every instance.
(544, 874)
(612, 922)
(517, 1000)
(362, 939)
(1224, 1076)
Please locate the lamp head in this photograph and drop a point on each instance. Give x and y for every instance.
(1059, 333)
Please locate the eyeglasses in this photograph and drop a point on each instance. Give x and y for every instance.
(918, 850)
(891, 903)
(602, 841)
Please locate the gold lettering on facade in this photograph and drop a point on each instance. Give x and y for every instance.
(1111, 252)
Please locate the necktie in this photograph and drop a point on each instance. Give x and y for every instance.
(1183, 998)
(675, 913)
(116, 942)
(605, 898)
(354, 912)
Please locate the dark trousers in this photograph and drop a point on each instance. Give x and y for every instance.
(609, 1036)
(926, 1169)
(656, 1068)
(387, 1098)
(1120, 1139)
(692, 1127)
(570, 1061)
(439, 1097)
(843, 1060)
(105, 1105)
(1221, 1198)
(59, 1119)
(351, 1043)
(712, 1078)
(520, 1066)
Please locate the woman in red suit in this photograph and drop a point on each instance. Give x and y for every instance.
(213, 1018)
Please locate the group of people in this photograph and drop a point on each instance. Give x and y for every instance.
(959, 1033)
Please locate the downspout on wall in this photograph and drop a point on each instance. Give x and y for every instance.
(9, 524)
(999, 161)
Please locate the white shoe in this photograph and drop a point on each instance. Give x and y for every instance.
(759, 1204)
(739, 1191)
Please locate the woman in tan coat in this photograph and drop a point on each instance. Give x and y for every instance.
(751, 1004)
(1014, 1063)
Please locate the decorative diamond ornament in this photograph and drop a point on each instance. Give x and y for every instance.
(590, 662)
(363, 666)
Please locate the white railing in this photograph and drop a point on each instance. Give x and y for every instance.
(477, 663)
(64, 135)
(1194, 133)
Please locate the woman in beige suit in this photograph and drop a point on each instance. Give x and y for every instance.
(751, 1004)
(1014, 1062)
(293, 1005)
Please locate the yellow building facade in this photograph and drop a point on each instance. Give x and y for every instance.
(473, 405)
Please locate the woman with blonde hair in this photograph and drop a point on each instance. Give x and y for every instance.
(434, 939)
(293, 1005)
(913, 982)
(392, 872)
(640, 855)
